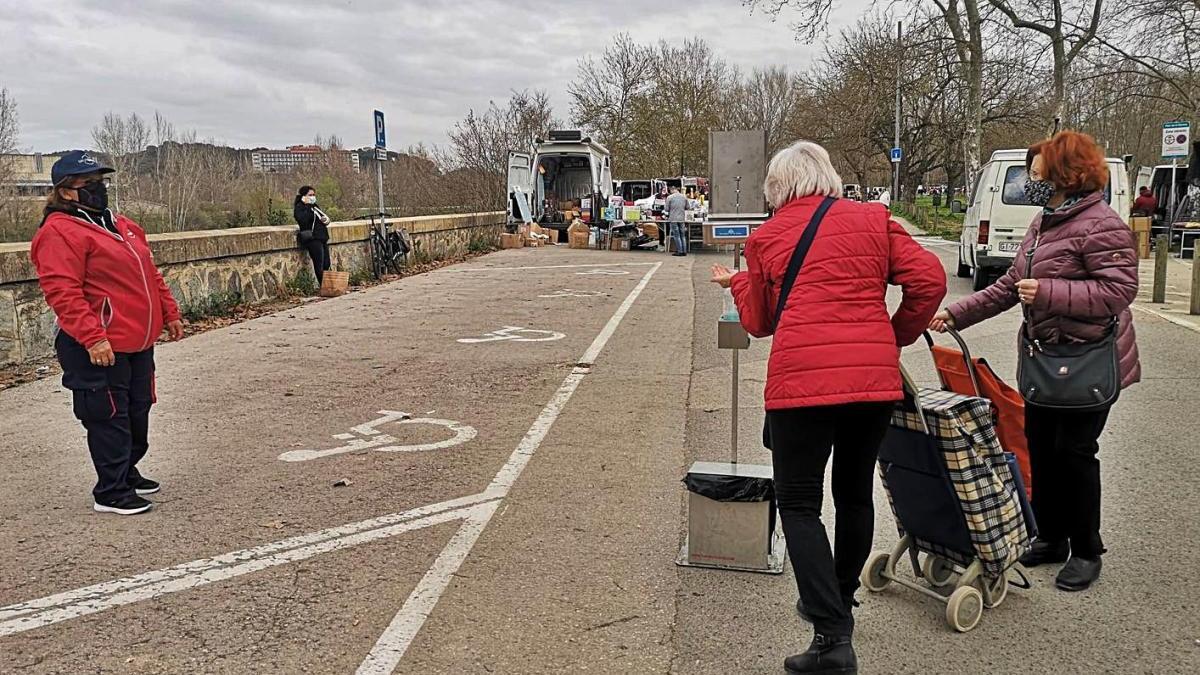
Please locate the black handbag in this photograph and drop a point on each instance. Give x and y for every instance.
(789, 279)
(1083, 377)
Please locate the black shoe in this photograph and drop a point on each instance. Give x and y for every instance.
(677, 254)
(1078, 574)
(1046, 552)
(145, 486)
(825, 656)
(125, 506)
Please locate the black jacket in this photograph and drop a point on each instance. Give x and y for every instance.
(307, 219)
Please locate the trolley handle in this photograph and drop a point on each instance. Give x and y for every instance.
(966, 352)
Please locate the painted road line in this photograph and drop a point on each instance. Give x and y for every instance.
(1176, 319)
(549, 267)
(391, 646)
(107, 595)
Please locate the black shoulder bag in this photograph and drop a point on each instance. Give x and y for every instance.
(1083, 377)
(789, 279)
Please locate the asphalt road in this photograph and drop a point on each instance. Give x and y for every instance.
(526, 519)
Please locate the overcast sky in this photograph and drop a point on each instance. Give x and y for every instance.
(276, 72)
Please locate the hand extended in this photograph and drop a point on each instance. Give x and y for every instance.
(722, 276)
(101, 354)
(1027, 290)
(941, 322)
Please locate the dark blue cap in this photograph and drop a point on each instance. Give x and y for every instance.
(75, 163)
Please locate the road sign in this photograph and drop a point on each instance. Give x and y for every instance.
(730, 231)
(1176, 137)
(897, 155)
(381, 154)
(380, 135)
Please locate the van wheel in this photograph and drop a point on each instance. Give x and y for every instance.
(980, 279)
(964, 270)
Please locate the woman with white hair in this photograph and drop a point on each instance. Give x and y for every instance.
(816, 279)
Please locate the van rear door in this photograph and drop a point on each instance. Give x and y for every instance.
(1011, 212)
(520, 187)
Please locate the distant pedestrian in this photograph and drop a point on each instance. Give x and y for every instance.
(677, 218)
(111, 304)
(314, 231)
(1145, 204)
(1075, 272)
(833, 374)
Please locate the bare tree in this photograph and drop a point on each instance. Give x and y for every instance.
(605, 93)
(481, 141)
(14, 211)
(1070, 27)
(766, 100)
(122, 140)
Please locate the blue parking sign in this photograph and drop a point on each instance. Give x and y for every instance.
(896, 154)
(380, 135)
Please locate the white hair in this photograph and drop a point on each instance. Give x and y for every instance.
(799, 170)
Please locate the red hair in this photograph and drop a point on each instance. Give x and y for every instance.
(1072, 161)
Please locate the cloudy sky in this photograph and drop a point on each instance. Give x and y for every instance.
(276, 72)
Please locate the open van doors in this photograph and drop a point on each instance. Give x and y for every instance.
(520, 187)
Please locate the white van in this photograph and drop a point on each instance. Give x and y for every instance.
(999, 215)
(568, 172)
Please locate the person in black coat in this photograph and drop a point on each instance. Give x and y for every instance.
(314, 232)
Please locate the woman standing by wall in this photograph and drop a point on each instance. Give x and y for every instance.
(314, 231)
(1076, 271)
(111, 304)
(833, 375)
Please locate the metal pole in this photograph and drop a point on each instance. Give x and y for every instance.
(379, 180)
(737, 266)
(1171, 212)
(896, 165)
(1162, 248)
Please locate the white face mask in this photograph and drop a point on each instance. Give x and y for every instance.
(310, 199)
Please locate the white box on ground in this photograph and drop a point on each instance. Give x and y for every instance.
(732, 535)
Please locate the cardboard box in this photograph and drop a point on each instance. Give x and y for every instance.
(1140, 223)
(650, 230)
(512, 240)
(578, 239)
(618, 243)
(1143, 243)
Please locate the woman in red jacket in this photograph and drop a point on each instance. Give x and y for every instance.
(833, 374)
(111, 303)
(1083, 272)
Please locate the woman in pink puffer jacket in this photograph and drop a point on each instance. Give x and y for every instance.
(1084, 273)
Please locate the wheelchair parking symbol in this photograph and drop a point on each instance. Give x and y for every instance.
(516, 334)
(572, 293)
(367, 436)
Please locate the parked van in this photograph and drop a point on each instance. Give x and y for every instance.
(567, 173)
(999, 214)
(635, 190)
(1159, 179)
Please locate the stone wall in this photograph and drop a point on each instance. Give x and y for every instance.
(255, 262)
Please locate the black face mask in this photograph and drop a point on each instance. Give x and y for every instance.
(93, 195)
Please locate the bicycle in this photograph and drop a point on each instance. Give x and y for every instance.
(389, 248)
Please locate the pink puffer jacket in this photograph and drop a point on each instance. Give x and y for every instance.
(1087, 272)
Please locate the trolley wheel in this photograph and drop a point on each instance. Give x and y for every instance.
(998, 589)
(964, 609)
(938, 571)
(872, 573)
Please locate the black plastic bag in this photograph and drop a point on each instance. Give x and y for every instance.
(730, 488)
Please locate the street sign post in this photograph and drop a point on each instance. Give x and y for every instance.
(1176, 143)
(897, 155)
(380, 155)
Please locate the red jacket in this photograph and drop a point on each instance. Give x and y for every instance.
(102, 285)
(836, 343)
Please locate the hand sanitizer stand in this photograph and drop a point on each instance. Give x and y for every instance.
(731, 507)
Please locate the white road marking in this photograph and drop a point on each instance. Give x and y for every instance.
(572, 293)
(474, 510)
(611, 273)
(107, 595)
(391, 646)
(515, 334)
(381, 442)
(549, 267)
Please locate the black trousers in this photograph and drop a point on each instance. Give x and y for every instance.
(113, 404)
(318, 250)
(1066, 476)
(801, 442)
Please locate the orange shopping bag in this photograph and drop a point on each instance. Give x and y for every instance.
(963, 374)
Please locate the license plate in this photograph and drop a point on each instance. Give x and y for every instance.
(1009, 246)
